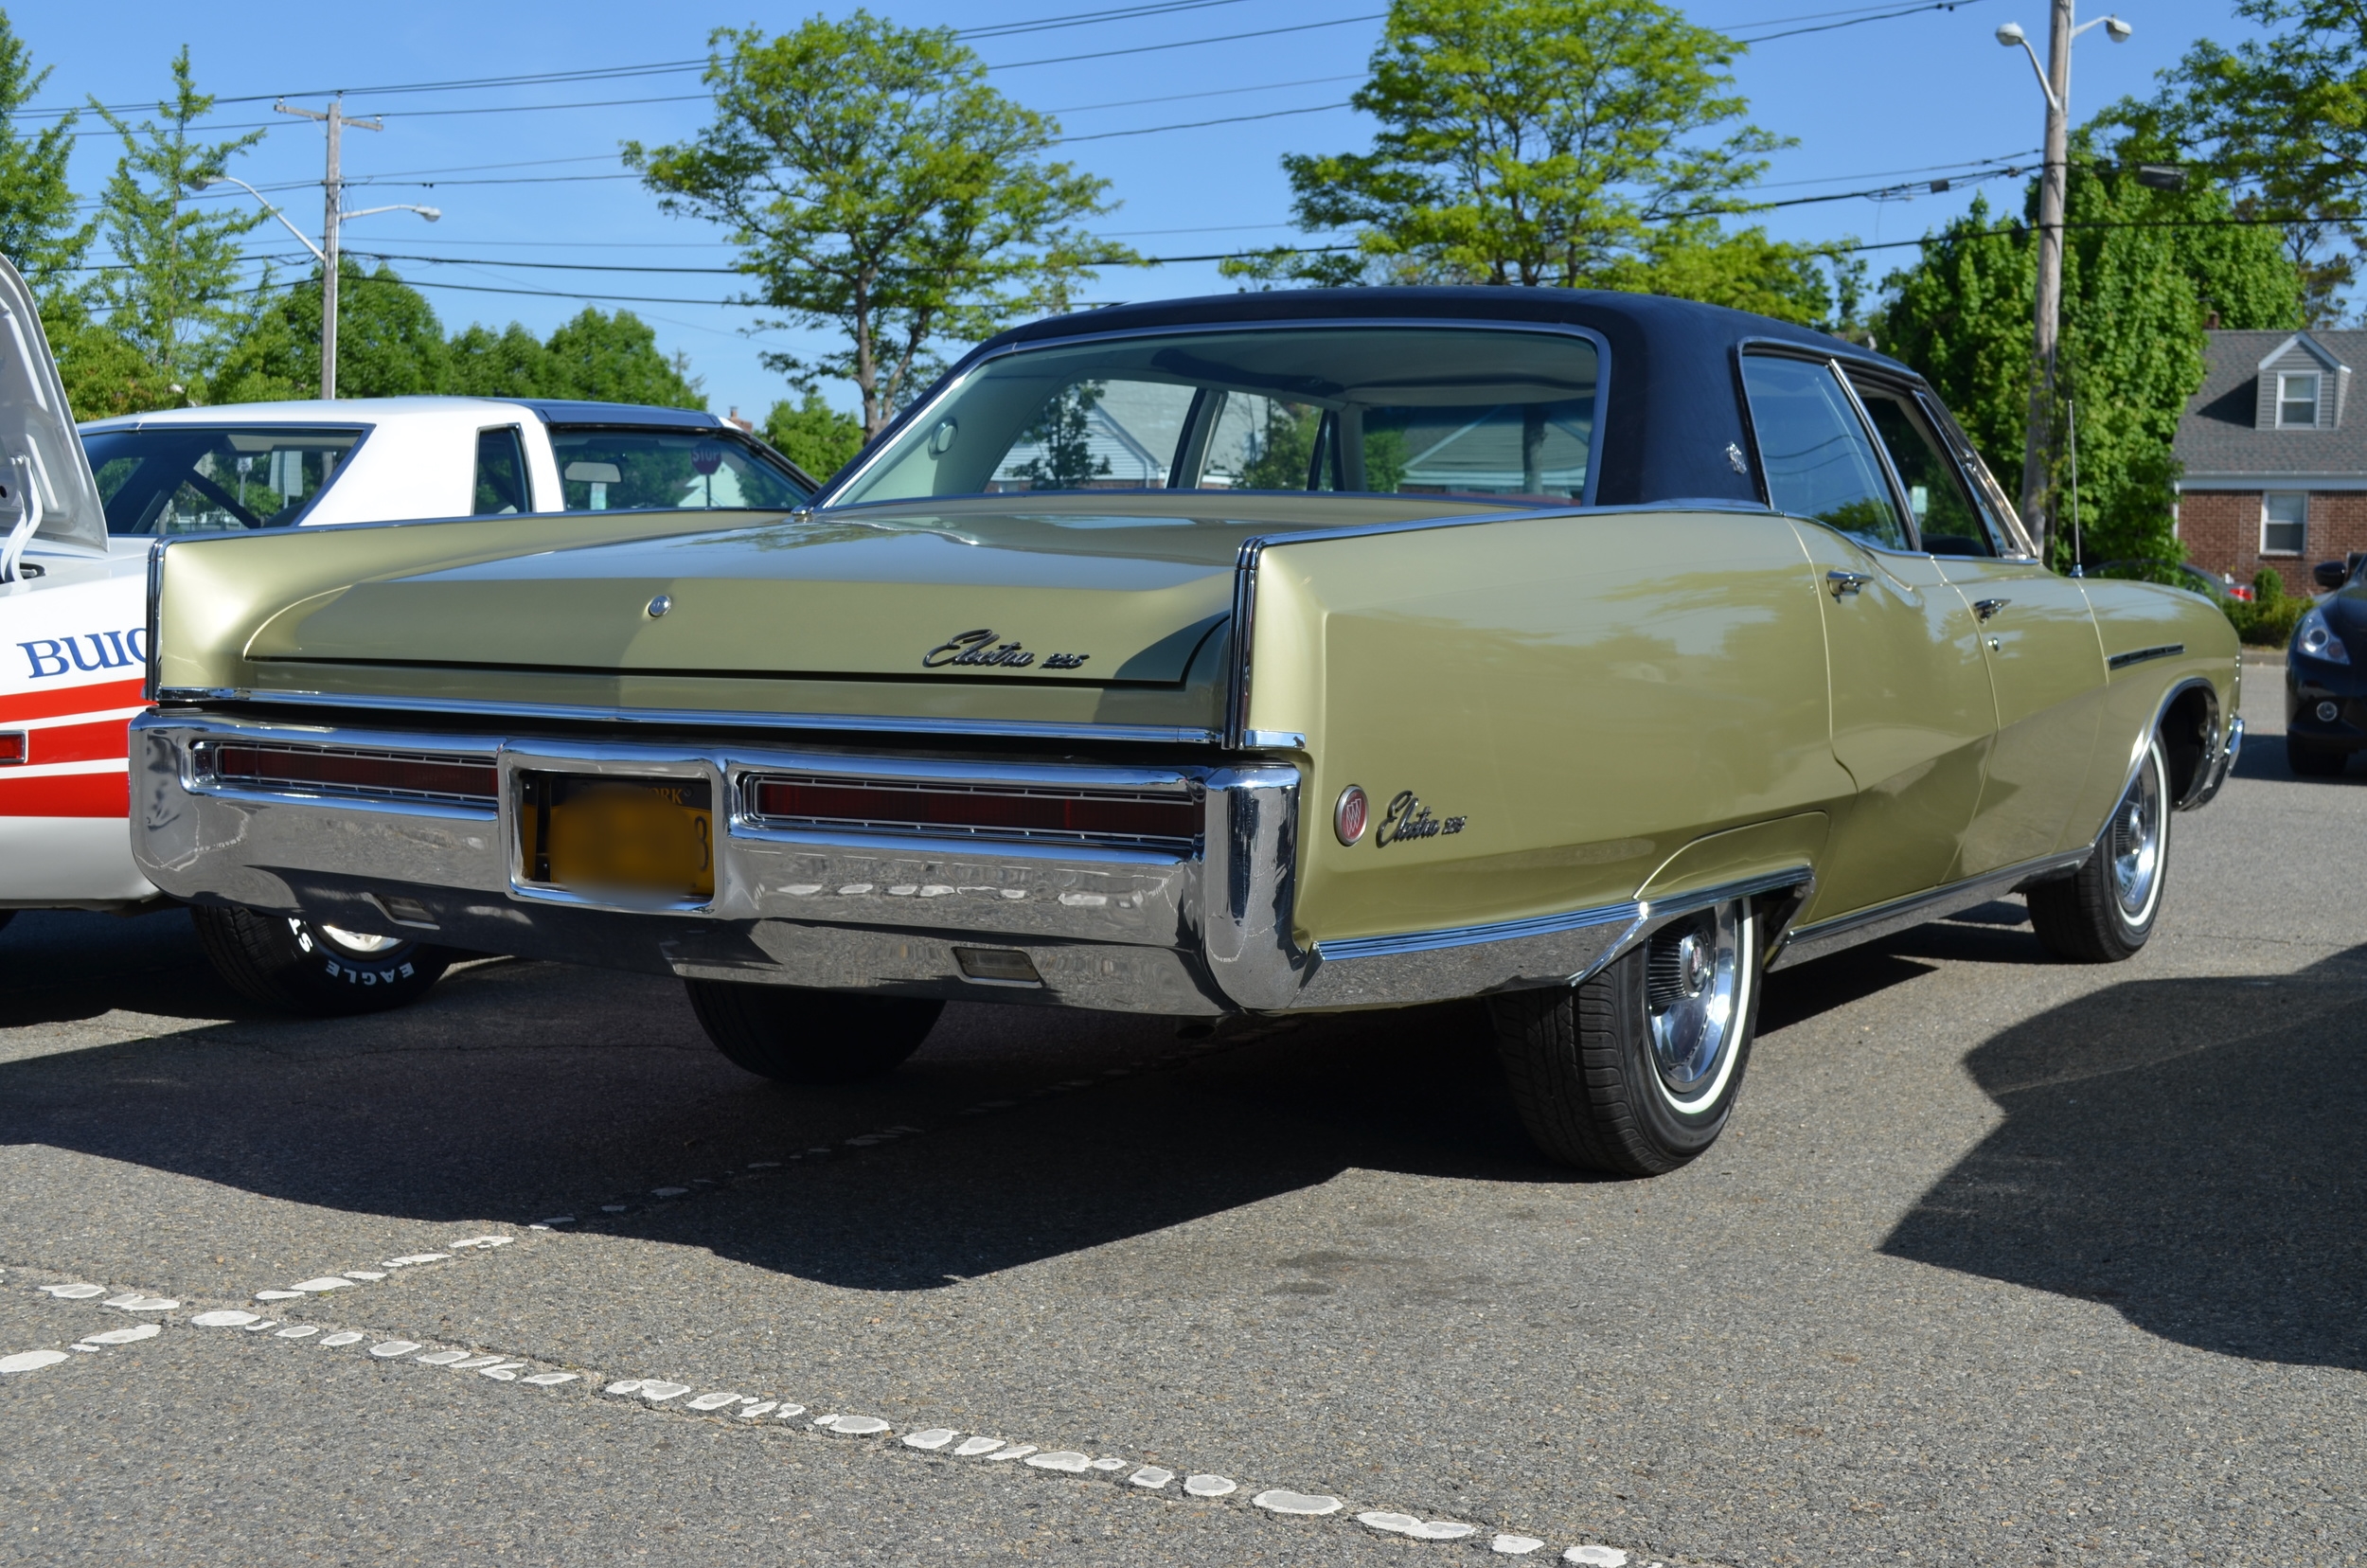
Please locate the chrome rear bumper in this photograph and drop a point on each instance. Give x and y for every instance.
(1203, 931)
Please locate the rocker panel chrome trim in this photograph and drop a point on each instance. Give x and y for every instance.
(1866, 925)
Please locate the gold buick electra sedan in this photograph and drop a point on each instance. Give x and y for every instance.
(1592, 653)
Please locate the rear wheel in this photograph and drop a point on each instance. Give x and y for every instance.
(2309, 761)
(792, 1035)
(1637, 1070)
(303, 966)
(2103, 912)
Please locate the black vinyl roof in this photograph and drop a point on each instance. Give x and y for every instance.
(1673, 406)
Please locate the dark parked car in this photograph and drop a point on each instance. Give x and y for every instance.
(2326, 685)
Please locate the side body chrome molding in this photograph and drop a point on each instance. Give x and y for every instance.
(1866, 925)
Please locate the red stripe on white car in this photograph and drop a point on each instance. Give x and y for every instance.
(91, 697)
(108, 738)
(87, 794)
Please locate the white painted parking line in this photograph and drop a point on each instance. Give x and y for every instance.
(658, 1391)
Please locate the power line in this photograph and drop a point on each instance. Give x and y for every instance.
(1219, 92)
(1856, 20)
(1194, 125)
(1123, 13)
(1185, 43)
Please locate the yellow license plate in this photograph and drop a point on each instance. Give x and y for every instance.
(593, 833)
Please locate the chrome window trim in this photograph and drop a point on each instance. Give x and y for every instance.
(136, 424)
(956, 378)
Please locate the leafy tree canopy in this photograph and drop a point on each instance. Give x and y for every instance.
(876, 185)
(2143, 270)
(814, 435)
(389, 344)
(38, 231)
(2284, 118)
(172, 295)
(1578, 143)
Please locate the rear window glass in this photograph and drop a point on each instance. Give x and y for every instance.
(608, 470)
(1403, 410)
(179, 479)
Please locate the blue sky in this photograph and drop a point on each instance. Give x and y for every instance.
(1880, 102)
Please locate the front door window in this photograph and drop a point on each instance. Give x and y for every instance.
(1815, 453)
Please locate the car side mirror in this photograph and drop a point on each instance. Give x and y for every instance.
(2331, 574)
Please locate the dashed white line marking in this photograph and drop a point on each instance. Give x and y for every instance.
(439, 1358)
(1016, 1451)
(278, 1295)
(1067, 1460)
(930, 1437)
(760, 1408)
(1210, 1486)
(789, 1408)
(859, 1426)
(712, 1402)
(30, 1361)
(550, 1379)
(301, 1330)
(325, 1282)
(1278, 1499)
(1596, 1557)
(227, 1318)
(345, 1339)
(657, 1390)
(972, 1447)
(1514, 1545)
(124, 1336)
(1150, 1476)
(74, 1292)
(391, 1348)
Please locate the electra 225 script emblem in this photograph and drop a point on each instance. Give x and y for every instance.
(1406, 817)
(973, 649)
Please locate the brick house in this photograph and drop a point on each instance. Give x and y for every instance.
(2275, 461)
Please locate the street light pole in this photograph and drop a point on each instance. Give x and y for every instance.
(332, 186)
(2047, 309)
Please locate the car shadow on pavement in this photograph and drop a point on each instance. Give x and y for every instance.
(62, 966)
(2185, 1151)
(518, 1091)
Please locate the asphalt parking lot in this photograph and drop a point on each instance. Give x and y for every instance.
(2004, 1261)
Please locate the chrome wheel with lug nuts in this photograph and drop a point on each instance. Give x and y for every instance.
(1637, 1070)
(2105, 911)
(303, 966)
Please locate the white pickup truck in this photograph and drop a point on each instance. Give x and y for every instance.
(73, 592)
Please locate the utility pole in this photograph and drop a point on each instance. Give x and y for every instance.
(332, 187)
(2047, 325)
(2038, 438)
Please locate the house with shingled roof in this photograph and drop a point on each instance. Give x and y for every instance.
(2275, 459)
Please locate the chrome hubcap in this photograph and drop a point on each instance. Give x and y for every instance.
(360, 944)
(2134, 842)
(1693, 998)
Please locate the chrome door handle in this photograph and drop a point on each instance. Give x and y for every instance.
(1985, 608)
(1844, 583)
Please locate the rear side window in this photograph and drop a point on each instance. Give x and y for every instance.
(501, 474)
(1815, 453)
(181, 479)
(1947, 520)
(608, 470)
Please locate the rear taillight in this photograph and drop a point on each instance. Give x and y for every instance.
(978, 810)
(338, 771)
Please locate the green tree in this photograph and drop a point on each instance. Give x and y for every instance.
(2285, 119)
(508, 364)
(815, 436)
(876, 185)
(2143, 270)
(38, 231)
(1568, 142)
(614, 359)
(389, 343)
(171, 295)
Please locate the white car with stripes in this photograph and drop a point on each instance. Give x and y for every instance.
(80, 509)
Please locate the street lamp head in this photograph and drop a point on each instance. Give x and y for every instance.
(2010, 34)
(2116, 30)
(430, 214)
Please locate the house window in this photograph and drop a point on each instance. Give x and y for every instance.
(2284, 523)
(2297, 402)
